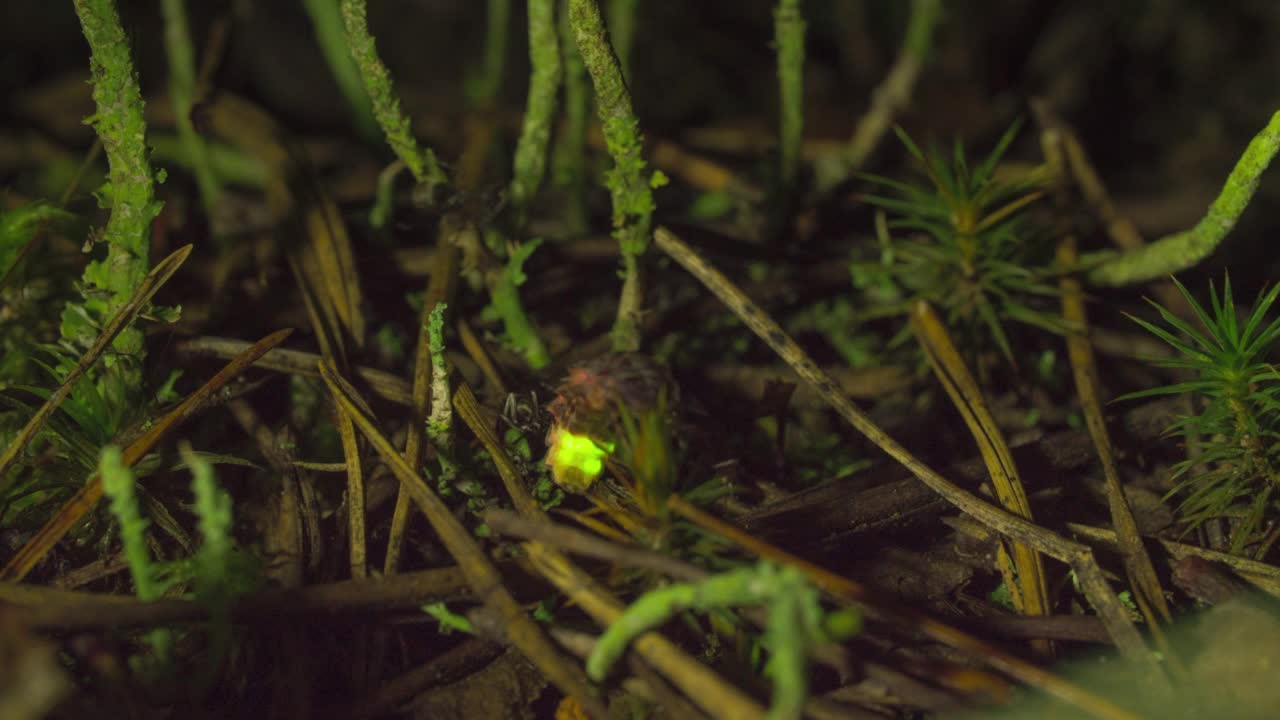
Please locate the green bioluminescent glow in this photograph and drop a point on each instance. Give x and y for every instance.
(577, 460)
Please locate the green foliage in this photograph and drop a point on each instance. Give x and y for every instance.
(118, 485)
(222, 572)
(30, 298)
(1239, 392)
(219, 571)
(18, 227)
(449, 621)
(974, 254)
(647, 447)
(93, 414)
(796, 623)
(505, 296)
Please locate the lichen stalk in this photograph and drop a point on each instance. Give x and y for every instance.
(421, 161)
(630, 187)
(130, 190)
(1185, 249)
(544, 84)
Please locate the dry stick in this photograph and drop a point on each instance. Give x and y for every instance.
(481, 356)
(698, 682)
(484, 578)
(88, 496)
(578, 542)
(297, 362)
(851, 591)
(1078, 556)
(1137, 563)
(1261, 575)
(154, 280)
(1023, 568)
(439, 289)
(73, 610)
(1142, 574)
(894, 93)
(330, 337)
(447, 667)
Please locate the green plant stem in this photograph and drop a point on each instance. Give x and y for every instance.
(794, 615)
(544, 83)
(795, 624)
(182, 92)
(131, 187)
(622, 31)
(421, 161)
(788, 39)
(630, 188)
(1185, 249)
(656, 607)
(118, 485)
(485, 88)
(569, 167)
(214, 584)
(327, 22)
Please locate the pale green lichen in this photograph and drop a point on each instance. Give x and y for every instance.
(544, 84)
(1185, 249)
(395, 125)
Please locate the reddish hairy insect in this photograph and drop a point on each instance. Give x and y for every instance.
(588, 400)
(589, 409)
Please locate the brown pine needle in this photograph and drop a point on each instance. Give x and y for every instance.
(1077, 555)
(87, 498)
(484, 578)
(1027, 571)
(853, 592)
(154, 280)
